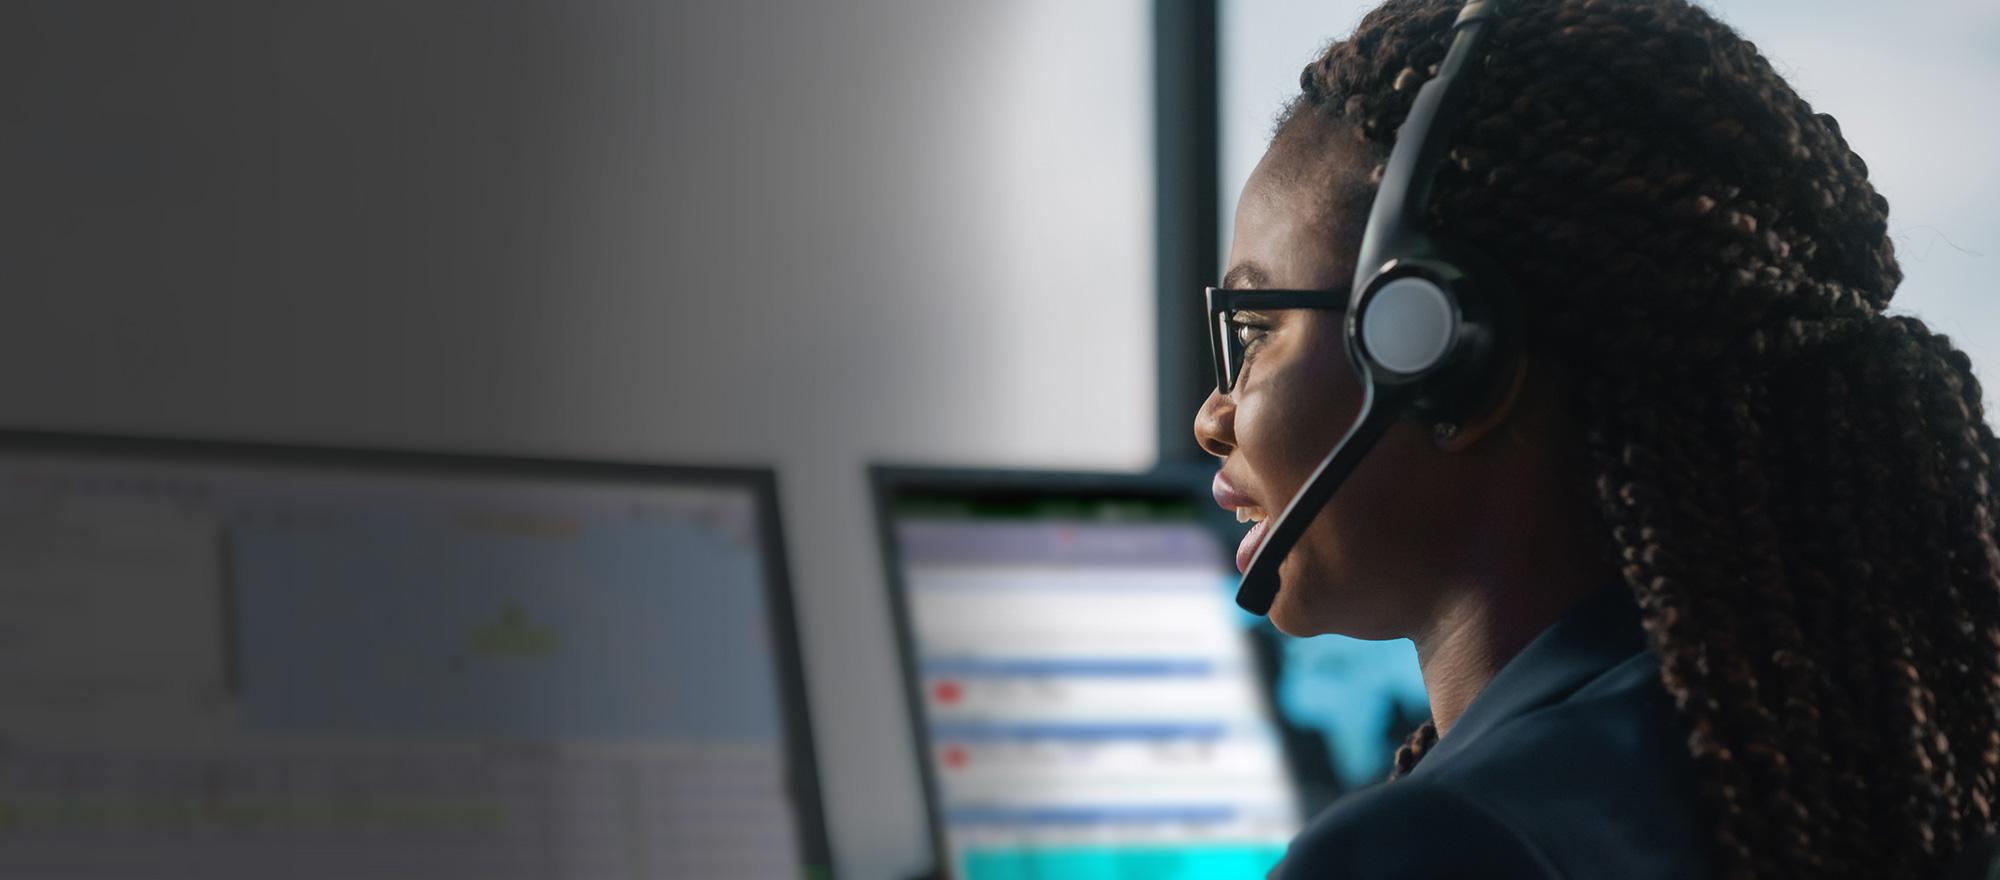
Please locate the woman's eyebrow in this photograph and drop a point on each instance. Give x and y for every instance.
(1244, 276)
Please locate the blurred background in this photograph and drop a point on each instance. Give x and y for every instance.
(806, 237)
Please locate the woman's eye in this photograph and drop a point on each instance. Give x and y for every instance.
(1247, 334)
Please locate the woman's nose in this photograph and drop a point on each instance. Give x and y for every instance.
(1215, 425)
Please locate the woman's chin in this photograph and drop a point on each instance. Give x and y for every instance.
(1296, 610)
(1309, 606)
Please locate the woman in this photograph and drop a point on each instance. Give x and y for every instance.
(1708, 584)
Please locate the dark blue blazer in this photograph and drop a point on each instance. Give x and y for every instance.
(1569, 764)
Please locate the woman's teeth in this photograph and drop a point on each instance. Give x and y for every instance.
(1249, 514)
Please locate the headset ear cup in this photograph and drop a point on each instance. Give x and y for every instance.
(1487, 414)
(1489, 341)
(1459, 361)
(1409, 325)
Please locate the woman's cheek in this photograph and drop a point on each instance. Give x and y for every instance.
(1298, 424)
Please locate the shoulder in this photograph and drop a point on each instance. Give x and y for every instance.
(1596, 784)
(1600, 782)
(1616, 741)
(1411, 828)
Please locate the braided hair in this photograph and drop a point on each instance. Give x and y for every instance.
(1797, 486)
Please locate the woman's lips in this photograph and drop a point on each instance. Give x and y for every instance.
(1232, 499)
(1248, 548)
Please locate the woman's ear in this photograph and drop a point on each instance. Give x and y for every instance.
(1459, 436)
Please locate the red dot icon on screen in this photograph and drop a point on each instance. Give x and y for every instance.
(947, 692)
(955, 757)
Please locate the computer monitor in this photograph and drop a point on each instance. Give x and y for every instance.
(237, 661)
(1086, 705)
(1090, 701)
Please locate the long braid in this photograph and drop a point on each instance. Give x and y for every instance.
(1799, 489)
(1413, 748)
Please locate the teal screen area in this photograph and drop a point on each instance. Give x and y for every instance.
(1121, 863)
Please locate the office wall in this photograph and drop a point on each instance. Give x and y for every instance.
(770, 231)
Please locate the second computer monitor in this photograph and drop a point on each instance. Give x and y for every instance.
(1087, 705)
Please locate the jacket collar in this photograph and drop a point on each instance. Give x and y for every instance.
(1597, 634)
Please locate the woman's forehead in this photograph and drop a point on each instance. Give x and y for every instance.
(1298, 222)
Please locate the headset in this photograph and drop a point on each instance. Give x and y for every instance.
(1427, 323)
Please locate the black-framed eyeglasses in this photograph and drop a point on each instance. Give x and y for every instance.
(1226, 335)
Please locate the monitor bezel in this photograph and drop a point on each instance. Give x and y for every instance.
(802, 762)
(1177, 482)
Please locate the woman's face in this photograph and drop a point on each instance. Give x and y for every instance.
(1373, 563)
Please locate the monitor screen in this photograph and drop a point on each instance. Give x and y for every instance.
(230, 661)
(1090, 702)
